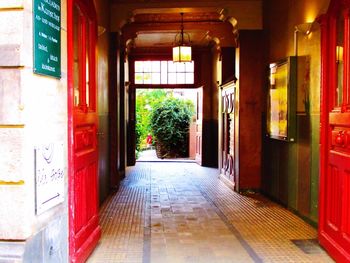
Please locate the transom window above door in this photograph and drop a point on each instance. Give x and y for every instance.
(164, 72)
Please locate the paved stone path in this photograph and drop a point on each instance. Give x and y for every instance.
(181, 212)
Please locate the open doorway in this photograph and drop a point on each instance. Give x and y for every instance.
(177, 84)
(166, 124)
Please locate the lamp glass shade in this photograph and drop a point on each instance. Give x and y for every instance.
(182, 54)
(339, 54)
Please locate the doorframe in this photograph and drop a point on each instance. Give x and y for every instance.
(131, 134)
(70, 119)
(131, 88)
(323, 119)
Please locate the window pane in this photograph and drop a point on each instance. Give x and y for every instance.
(172, 78)
(76, 33)
(155, 66)
(155, 78)
(87, 66)
(171, 66)
(138, 78)
(164, 72)
(164, 66)
(339, 61)
(189, 78)
(138, 66)
(189, 66)
(180, 78)
(147, 78)
(147, 66)
(180, 67)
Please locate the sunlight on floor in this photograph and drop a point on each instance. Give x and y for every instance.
(181, 212)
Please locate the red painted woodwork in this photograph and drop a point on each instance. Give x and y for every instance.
(228, 133)
(334, 220)
(84, 230)
(199, 124)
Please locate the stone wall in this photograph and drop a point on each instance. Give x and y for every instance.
(33, 112)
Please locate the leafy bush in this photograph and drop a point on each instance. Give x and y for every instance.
(146, 100)
(170, 123)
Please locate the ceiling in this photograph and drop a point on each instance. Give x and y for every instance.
(167, 39)
(167, 1)
(158, 27)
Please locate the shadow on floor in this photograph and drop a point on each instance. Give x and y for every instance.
(150, 155)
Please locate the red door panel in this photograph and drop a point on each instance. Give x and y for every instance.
(334, 223)
(83, 125)
(336, 228)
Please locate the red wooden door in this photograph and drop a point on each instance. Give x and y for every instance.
(334, 225)
(199, 123)
(83, 181)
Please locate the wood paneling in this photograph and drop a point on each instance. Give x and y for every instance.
(304, 164)
(227, 151)
(114, 110)
(228, 59)
(251, 84)
(131, 124)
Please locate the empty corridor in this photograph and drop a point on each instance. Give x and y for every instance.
(181, 212)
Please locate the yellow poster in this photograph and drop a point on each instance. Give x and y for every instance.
(277, 123)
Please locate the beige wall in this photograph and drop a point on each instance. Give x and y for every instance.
(33, 111)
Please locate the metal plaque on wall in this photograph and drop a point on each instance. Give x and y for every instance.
(49, 176)
(47, 37)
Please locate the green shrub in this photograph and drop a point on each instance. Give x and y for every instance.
(146, 100)
(170, 121)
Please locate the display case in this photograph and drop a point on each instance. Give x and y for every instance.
(281, 104)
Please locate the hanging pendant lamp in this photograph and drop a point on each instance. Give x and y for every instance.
(182, 52)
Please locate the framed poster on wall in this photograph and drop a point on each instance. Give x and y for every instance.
(281, 104)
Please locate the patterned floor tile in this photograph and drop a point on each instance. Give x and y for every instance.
(181, 212)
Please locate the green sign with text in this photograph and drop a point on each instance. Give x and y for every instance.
(47, 37)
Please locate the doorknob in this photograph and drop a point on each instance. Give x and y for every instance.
(342, 138)
(339, 139)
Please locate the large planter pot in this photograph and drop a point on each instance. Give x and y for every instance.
(162, 151)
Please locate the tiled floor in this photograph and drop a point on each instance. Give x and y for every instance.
(151, 156)
(181, 212)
